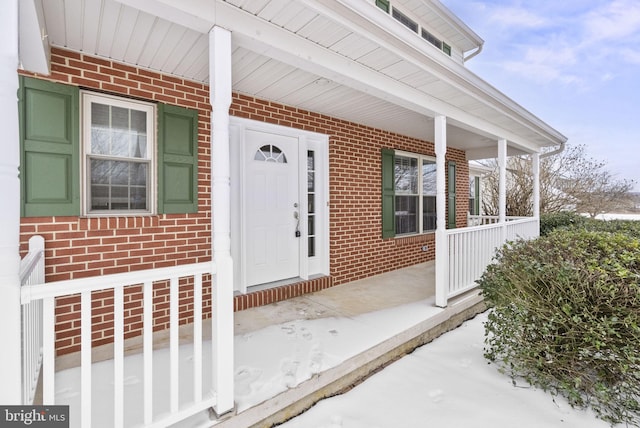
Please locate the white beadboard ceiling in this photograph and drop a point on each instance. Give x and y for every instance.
(119, 31)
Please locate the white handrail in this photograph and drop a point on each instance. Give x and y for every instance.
(74, 286)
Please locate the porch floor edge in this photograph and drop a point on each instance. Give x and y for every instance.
(358, 368)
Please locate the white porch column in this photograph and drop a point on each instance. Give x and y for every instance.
(502, 194)
(535, 166)
(442, 251)
(10, 360)
(222, 305)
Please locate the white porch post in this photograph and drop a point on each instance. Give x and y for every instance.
(502, 195)
(535, 166)
(222, 305)
(442, 251)
(10, 360)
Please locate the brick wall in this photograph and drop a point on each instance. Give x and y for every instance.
(82, 247)
(357, 249)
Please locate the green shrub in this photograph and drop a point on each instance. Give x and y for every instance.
(628, 227)
(566, 318)
(565, 219)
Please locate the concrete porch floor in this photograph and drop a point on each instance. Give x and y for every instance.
(395, 292)
(395, 288)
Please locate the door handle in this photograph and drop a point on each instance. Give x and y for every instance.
(296, 215)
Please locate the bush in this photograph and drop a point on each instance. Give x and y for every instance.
(565, 219)
(566, 318)
(628, 227)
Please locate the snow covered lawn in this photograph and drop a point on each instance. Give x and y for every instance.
(446, 383)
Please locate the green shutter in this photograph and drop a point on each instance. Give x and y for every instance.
(451, 195)
(49, 148)
(177, 160)
(388, 194)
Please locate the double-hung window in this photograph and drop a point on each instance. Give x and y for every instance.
(118, 141)
(408, 193)
(474, 195)
(94, 154)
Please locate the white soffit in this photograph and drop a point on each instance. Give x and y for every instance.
(283, 48)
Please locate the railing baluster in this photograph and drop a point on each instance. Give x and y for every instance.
(197, 337)
(118, 356)
(147, 349)
(48, 351)
(173, 345)
(85, 358)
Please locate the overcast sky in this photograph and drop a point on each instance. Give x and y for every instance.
(573, 63)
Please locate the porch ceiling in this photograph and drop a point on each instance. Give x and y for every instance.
(329, 56)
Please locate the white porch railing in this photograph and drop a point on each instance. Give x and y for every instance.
(479, 220)
(31, 273)
(154, 413)
(471, 249)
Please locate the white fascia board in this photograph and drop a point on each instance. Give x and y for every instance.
(382, 30)
(452, 19)
(35, 52)
(492, 152)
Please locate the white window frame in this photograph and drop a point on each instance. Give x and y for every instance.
(420, 194)
(151, 148)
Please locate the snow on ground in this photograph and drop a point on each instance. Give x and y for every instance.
(267, 362)
(446, 383)
(282, 356)
(613, 216)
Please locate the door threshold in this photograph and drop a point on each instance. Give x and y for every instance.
(273, 284)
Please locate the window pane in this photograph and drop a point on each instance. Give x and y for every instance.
(139, 174)
(119, 173)
(406, 214)
(472, 188)
(138, 198)
(120, 118)
(99, 197)
(118, 185)
(99, 115)
(312, 247)
(139, 121)
(100, 171)
(311, 207)
(406, 175)
(428, 213)
(311, 224)
(120, 142)
(100, 139)
(428, 177)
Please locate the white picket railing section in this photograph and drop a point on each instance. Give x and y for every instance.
(471, 249)
(178, 408)
(32, 273)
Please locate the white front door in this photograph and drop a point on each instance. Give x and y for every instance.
(272, 201)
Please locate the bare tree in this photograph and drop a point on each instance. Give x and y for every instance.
(569, 181)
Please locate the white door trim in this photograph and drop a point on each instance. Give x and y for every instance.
(319, 144)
